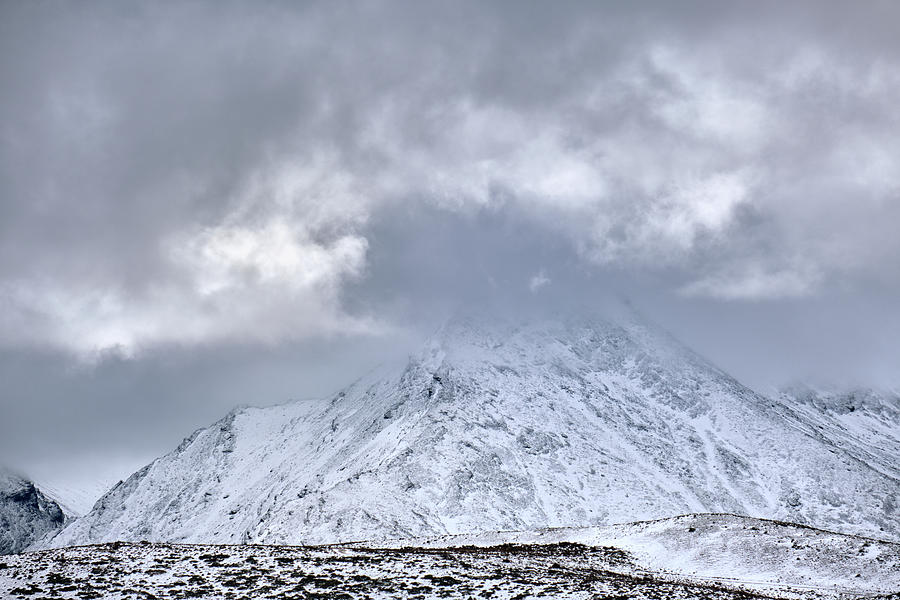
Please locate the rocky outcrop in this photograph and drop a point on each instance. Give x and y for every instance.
(26, 514)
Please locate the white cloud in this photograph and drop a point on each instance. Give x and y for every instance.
(756, 283)
(709, 104)
(223, 259)
(537, 281)
(235, 285)
(272, 270)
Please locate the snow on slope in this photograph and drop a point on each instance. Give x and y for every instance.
(562, 572)
(770, 557)
(26, 514)
(864, 423)
(503, 425)
(692, 556)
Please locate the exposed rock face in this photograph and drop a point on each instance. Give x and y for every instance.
(505, 425)
(26, 514)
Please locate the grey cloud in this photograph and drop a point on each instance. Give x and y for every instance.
(190, 174)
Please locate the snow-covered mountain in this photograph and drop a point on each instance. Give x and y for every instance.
(500, 424)
(26, 514)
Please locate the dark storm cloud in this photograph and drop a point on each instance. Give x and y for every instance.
(246, 183)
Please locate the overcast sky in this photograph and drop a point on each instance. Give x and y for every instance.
(209, 204)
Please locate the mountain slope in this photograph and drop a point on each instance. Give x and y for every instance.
(502, 425)
(864, 423)
(26, 514)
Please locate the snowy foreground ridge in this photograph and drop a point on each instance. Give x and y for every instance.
(510, 426)
(691, 557)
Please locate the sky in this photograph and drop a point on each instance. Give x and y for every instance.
(205, 204)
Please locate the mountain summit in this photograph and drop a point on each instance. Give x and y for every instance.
(504, 424)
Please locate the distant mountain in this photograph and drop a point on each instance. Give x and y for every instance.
(76, 497)
(26, 514)
(500, 424)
